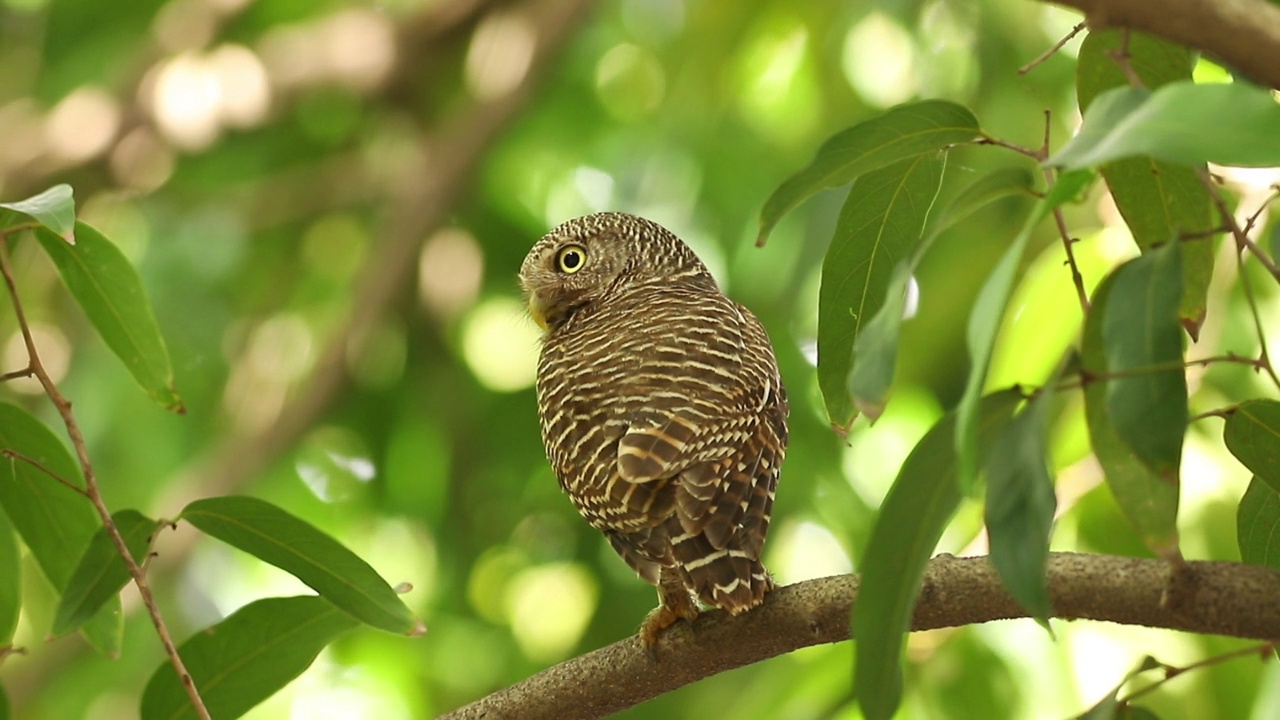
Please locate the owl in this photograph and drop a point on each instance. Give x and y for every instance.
(661, 409)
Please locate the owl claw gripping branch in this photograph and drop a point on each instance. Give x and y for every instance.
(661, 407)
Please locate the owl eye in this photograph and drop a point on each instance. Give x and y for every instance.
(571, 258)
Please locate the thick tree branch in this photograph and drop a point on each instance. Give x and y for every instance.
(1244, 34)
(1217, 598)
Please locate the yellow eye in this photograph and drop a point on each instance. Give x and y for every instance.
(571, 258)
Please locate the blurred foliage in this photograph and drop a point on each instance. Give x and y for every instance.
(248, 156)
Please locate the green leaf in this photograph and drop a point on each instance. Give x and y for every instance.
(54, 208)
(101, 573)
(880, 224)
(988, 312)
(1258, 525)
(1147, 395)
(1182, 122)
(918, 507)
(53, 520)
(1252, 434)
(875, 352)
(4, 704)
(993, 186)
(295, 546)
(10, 579)
(1020, 505)
(899, 133)
(1159, 200)
(110, 291)
(246, 658)
(1148, 501)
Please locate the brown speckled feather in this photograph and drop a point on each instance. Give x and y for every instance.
(661, 406)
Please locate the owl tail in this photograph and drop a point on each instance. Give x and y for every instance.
(728, 578)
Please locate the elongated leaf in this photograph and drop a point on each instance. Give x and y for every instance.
(875, 352)
(988, 311)
(1143, 345)
(10, 579)
(1252, 434)
(918, 507)
(54, 208)
(110, 292)
(295, 546)
(897, 134)
(1159, 200)
(1148, 501)
(880, 224)
(101, 573)
(54, 521)
(1258, 525)
(246, 658)
(1020, 505)
(993, 186)
(1182, 122)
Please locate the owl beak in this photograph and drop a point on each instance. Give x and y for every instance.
(537, 311)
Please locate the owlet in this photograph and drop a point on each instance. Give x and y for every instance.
(661, 408)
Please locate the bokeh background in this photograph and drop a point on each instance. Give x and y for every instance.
(328, 202)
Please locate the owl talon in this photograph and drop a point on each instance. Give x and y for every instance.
(661, 618)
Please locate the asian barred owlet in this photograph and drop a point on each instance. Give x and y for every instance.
(661, 407)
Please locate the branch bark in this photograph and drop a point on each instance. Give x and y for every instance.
(1218, 598)
(1243, 34)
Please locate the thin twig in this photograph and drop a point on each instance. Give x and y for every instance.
(1121, 57)
(15, 455)
(1061, 221)
(1172, 671)
(91, 487)
(1051, 51)
(15, 374)
(1243, 241)
(1222, 412)
(1248, 225)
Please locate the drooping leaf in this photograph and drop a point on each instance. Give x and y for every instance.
(880, 225)
(987, 314)
(246, 658)
(1182, 122)
(897, 134)
(10, 579)
(1159, 200)
(1020, 504)
(995, 185)
(875, 352)
(101, 573)
(53, 520)
(298, 547)
(1149, 502)
(918, 507)
(876, 348)
(1252, 434)
(1258, 525)
(1142, 339)
(109, 290)
(54, 208)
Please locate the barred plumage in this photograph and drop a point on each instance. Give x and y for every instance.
(662, 410)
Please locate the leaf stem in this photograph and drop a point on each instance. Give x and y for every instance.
(15, 455)
(1263, 650)
(1053, 50)
(91, 486)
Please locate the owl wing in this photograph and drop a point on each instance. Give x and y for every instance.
(707, 446)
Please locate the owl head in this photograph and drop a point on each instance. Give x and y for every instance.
(589, 259)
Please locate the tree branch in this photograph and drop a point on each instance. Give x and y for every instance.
(1218, 598)
(1244, 34)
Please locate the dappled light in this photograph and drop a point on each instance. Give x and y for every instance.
(293, 365)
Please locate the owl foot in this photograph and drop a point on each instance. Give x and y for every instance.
(675, 604)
